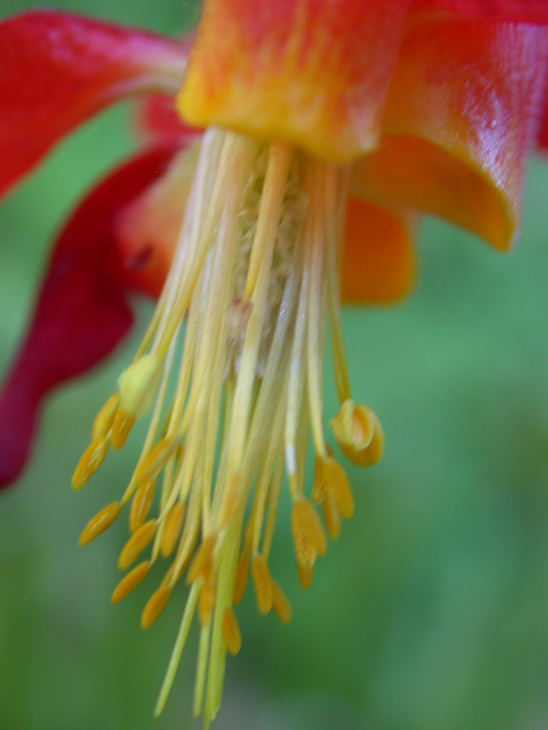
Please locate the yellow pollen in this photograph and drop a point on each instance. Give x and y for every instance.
(91, 460)
(338, 486)
(331, 516)
(262, 582)
(98, 524)
(129, 581)
(354, 428)
(151, 466)
(206, 602)
(231, 632)
(308, 536)
(305, 576)
(172, 529)
(105, 417)
(136, 544)
(122, 425)
(140, 504)
(241, 577)
(202, 563)
(280, 604)
(155, 605)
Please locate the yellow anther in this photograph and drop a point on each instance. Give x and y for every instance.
(338, 486)
(138, 385)
(202, 563)
(129, 581)
(241, 577)
(136, 544)
(319, 490)
(231, 632)
(206, 602)
(172, 529)
(105, 417)
(354, 428)
(153, 463)
(121, 427)
(155, 605)
(230, 500)
(373, 453)
(331, 516)
(262, 582)
(91, 460)
(99, 523)
(280, 604)
(308, 536)
(140, 504)
(305, 576)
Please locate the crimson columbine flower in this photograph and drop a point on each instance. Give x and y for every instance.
(327, 124)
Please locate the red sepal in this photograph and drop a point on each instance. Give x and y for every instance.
(82, 311)
(56, 70)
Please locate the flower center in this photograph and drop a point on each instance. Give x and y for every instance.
(256, 274)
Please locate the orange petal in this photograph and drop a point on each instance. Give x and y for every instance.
(313, 72)
(378, 260)
(461, 115)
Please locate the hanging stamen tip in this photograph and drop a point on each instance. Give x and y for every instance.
(202, 563)
(136, 544)
(105, 418)
(91, 460)
(155, 605)
(231, 632)
(206, 601)
(153, 463)
(358, 433)
(172, 529)
(308, 537)
(122, 425)
(280, 604)
(140, 504)
(241, 577)
(99, 523)
(262, 582)
(130, 581)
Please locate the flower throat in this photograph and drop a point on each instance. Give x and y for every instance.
(256, 274)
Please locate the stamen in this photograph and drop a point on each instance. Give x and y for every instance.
(129, 581)
(280, 604)
(171, 529)
(140, 504)
(142, 537)
(105, 417)
(262, 583)
(231, 632)
(155, 605)
(98, 524)
(255, 273)
(91, 460)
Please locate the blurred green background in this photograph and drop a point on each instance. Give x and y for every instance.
(431, 610)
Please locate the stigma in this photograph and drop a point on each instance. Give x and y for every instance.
(229, 375)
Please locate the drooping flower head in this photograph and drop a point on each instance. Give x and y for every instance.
(327, 125)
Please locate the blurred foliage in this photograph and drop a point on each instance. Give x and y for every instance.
(431, 611)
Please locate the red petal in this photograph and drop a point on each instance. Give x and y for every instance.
(518, 11)
(56, 70)
(158, 119)
(81, 313)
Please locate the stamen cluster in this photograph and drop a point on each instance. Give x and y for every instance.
(255, 274)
